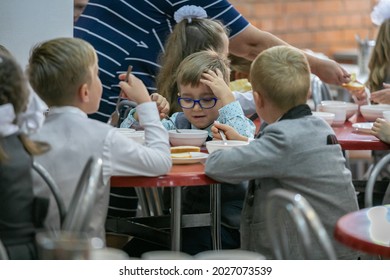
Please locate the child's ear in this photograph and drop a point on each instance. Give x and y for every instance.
(83, 93)
(259, 99)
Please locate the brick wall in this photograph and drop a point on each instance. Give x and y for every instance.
(323, 26)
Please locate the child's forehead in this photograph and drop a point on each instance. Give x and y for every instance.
(195, 91)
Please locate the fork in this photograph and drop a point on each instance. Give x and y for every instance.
(169, 119)
(368, 95)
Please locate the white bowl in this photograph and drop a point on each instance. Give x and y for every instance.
(372, 112)
(328, 117)
(188, 137)
(386, 115)
(218, 144)
(339, 111)
(351, 108)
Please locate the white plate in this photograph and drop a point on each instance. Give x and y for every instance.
(364, 127)
(196, 157)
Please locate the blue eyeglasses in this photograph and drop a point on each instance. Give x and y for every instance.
(204, 103)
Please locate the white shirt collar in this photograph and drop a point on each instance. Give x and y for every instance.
(67, 110)
(7, 117)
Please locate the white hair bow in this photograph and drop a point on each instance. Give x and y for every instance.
(7, 117)
(189, 12)
(381, 12)
(32, 119)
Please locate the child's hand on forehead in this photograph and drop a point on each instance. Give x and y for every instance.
(215, 81)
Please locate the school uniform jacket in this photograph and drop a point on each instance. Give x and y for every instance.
(291, 154)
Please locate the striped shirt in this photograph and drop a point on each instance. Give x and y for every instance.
(133, 32)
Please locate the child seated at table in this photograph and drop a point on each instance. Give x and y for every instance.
(205, 97)
(21, 213)
(292, 152)
(64, 73)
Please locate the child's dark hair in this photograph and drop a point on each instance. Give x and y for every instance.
(186, 38)
(14, 90)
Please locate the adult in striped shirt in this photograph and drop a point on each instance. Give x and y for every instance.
(133, 32)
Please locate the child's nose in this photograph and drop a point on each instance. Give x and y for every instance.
(197, 106)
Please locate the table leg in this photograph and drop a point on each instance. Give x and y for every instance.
(215, 192)
(176, 219)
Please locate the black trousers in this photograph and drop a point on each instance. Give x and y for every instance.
(194, 240)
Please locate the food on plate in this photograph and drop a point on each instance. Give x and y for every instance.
(353, 84)
(183, 151)
(181, 155)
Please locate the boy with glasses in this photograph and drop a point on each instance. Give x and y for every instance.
(205, 97)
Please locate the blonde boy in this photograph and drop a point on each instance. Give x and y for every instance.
(291, 153)
(64, 73)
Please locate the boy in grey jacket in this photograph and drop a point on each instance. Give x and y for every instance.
(290, 153)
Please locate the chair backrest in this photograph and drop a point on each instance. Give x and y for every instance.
(375, 171)
(123, 202)
(83, 199)
(319, 91)
(3, 252)
(123, 108)
(55, 190)
(302, 216)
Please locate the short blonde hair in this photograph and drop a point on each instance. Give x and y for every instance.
(58, 67)
(282, 74)
(193, 66)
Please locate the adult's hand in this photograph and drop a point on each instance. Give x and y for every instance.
(329, 71)
(251, 41)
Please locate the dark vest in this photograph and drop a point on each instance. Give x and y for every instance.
(20, 210)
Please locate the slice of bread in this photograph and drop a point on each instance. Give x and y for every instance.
(181, 155)
(353, 84)
(184, 149)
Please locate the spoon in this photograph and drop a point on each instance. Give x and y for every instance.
(169, 119)
(223, 136)
(368, 95)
